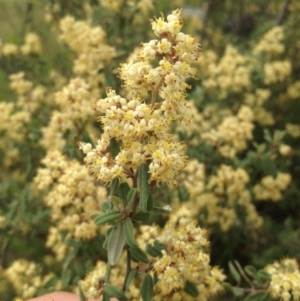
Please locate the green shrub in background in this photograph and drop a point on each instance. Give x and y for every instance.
(168, 152)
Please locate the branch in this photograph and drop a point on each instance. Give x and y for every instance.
(283, 13)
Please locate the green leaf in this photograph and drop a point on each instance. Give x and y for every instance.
(263, 275)
(52, 281)
(115, 244)
(81, 294)
(252, 296)
(106, 297)
(130, 197)
(250, 270)
(105, 206)
(153, 251)
(130, 277)
(116, 201)
(150, 202)
(123, 191)
(138, 254)
(237, 291)
(107, 237)
(142, 216)
(159, 245)
(113, 186)
(114, 147)
(147, 288)
(107, 272)
(234, 272)
(143, 185)
(191, 289)
(107, 217)
(114, 292)
(129, 232)
(68, 259)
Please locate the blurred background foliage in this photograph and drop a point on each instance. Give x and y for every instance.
(237, 69)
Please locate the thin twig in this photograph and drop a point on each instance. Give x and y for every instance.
(128, 267)
(283, 13)
(246, 278)
(155, 91)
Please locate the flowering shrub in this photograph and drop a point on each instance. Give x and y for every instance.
(136, 167)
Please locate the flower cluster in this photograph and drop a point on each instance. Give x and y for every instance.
(231, 72)
(220, 199)
(256, 101)
(277, 71)
(32, 45)
(72, 199)
(271, 42)
(26, 278)
(185, 259)
(141, 127)
(232, 134)
(89, 43)
(293, 129)
(271, 188)
(112, 5)
(28, 97)
(285, 280)
(73, 102)
(12, 130)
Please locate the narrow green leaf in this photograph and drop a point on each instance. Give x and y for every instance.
(191, 289)
(153, 251)
(107, 272)
(147, 288)
(123, 191)
(116, 201)
(143, 186)
(131, 195)
(68, 259)
(142, 216)
(155, 278)
(81, 294)
(234, 272)
(107, 217)
(159, 245)
(237, 291)
(113, 186)
(263, 275)
(106, 297)
(114, 292)
(115, 244)
(105, 206)
(52, 281)
(252, 296)
(107, 237)
(129, 232)
(250, 270)
(150, 202)
(130, 277)
(114, 146)
(227, 287)
(138, 254)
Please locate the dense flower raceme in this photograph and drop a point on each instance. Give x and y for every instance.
(140, 125)
(89, 43)
(285, 279)
(184, 259)
(217, 199)
(26, 278)
(72, 199)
